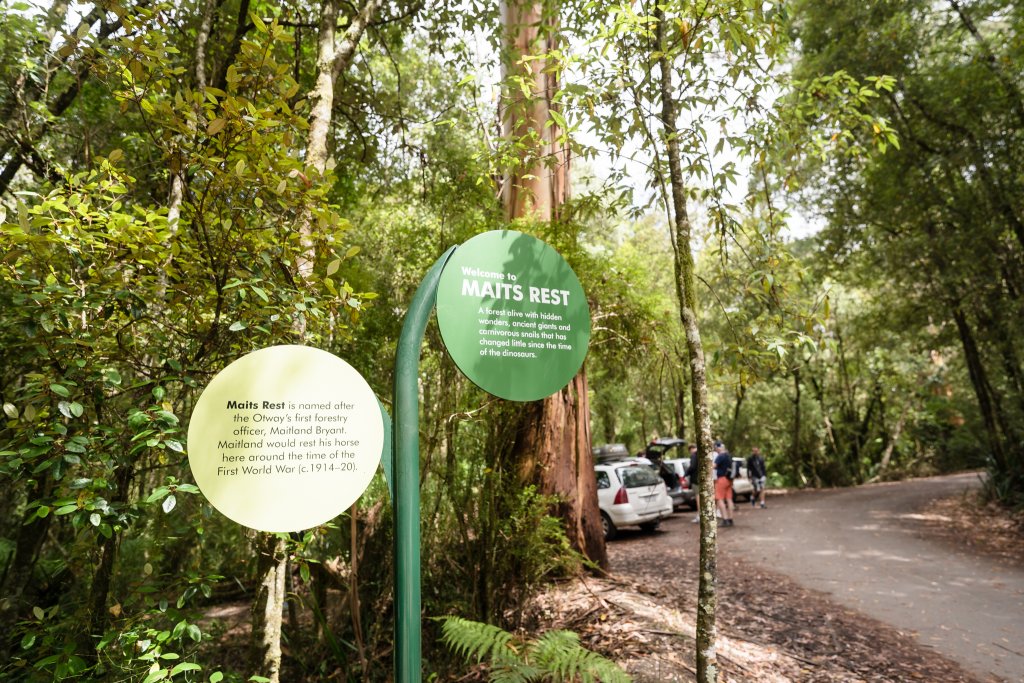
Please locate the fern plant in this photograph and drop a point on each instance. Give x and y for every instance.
(555, 657)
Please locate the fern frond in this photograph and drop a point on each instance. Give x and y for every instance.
(514, 673)
(556, 656)
(560, 654)
(475, 640)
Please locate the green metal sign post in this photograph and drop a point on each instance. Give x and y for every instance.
(407, 477)
(516, 322)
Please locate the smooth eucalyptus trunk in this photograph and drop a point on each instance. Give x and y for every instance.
(268, 607)
(333, 57)
(553, 444)
(796, 453)
(707, 599)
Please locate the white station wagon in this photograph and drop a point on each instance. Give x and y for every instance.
(630, 493)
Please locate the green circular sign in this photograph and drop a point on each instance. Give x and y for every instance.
(513, 315)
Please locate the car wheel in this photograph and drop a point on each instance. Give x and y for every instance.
(650, 526)
(609, 528)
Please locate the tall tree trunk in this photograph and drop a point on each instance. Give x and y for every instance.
(18, 572)
(734, 427)
(982, 388)
(268, 606)
(548, 454)
(553, 444)
(707, 599)
(796, 453)
(883, 465)
(333, 57)
(538, 187)
(102, 578)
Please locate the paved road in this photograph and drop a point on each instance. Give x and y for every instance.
(863, 547)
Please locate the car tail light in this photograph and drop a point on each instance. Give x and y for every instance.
(621, 497)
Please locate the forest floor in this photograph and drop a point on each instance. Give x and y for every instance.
(770, 628)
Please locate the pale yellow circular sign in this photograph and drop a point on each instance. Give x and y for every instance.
(285, 438)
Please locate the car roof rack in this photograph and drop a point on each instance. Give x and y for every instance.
(611, 452)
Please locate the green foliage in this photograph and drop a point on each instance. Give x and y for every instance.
(935, 223)
(556, 656)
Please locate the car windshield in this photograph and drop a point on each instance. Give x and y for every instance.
(638, 475)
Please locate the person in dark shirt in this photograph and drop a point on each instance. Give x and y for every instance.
(758, 474)
(723, 483)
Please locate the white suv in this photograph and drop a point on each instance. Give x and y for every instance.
(630, 493)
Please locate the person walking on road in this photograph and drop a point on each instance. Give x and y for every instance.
(758, 476)
(723, 483)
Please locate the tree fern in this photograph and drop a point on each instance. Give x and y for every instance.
(555, 657)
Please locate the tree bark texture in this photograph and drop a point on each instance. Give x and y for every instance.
(268, 607)
(553, 444)
(982, 388)
(707, 598)
(333, 57)
(538, 186)
(18, 572)
(553, 451)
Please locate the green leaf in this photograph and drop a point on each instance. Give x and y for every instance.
(216, 677)
(194, 633)
(28, 641)
(157, 494)
(237, 326)
(38, 612)
(169, 503)
(77, 409)
(259, 23)
(157, 675)
(60, 390)
(333, 266)
(185, 666)
(11, 411)
(215, 126)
